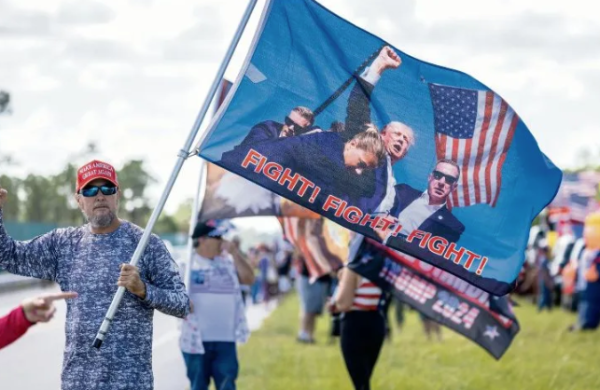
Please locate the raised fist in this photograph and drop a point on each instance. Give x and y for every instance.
(387, 59)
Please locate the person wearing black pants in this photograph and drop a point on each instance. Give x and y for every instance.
(362, 326)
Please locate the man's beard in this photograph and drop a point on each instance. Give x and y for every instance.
(100, 221)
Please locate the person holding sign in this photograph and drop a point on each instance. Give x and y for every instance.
(218, 320)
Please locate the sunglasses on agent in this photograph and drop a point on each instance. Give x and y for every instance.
(437, 175)
(290, 123)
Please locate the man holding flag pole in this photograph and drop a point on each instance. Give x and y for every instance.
(88, 260)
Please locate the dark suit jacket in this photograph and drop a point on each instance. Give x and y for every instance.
(441, 223)
(263, 131)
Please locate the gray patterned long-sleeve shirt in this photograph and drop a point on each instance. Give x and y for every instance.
(87, 263)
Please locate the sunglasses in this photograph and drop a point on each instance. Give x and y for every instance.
(290, 123)
(91, 191)
(437, 175)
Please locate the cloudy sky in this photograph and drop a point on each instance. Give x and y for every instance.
(130, 75)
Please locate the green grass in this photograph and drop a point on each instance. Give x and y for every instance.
(543, 356)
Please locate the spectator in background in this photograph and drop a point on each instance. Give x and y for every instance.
(313, 296)
(256, 286)
(31, 311)
(430, 327)
(245, 288)
(284, 266)
(588, 290)
(268, 273)
(569, 276)
(362, 327)
(209, 334)
(545, 282)
(399, 308)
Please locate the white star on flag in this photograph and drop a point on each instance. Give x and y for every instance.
(491, 332)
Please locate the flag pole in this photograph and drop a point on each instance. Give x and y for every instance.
(194, 220)
(183, 154)
(198, 199)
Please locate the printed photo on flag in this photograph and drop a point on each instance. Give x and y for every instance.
(422, 158)
(227, 195)
(487, 320)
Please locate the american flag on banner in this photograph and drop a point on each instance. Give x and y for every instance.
(474, 129)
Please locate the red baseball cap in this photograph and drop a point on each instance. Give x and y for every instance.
(95, 170)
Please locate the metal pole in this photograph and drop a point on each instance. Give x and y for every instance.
(183, 154)
(193, 221)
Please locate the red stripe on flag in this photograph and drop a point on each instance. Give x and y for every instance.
(455, 158)
(465, 169)
(509, 137)
(289, 230)
(492, 155)
(489, 102)
(441, 146)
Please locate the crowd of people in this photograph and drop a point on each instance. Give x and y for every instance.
(561, 271)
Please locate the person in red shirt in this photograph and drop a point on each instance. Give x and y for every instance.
(31, 311)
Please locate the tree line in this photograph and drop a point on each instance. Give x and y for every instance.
(50, 198)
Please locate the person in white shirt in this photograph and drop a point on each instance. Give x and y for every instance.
(218, 320)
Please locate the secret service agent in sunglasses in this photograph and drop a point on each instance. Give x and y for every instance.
(297, 128)
(91, 191)
(437, 175)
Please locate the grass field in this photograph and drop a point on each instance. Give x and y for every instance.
(543, 356)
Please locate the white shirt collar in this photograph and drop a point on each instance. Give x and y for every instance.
(425, 197)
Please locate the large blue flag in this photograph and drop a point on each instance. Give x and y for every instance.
(423, 158)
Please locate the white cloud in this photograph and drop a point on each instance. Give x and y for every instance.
(32, 79)
(84, 12)
(118, 107)
(39, 120)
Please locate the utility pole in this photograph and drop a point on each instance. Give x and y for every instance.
(4, 102)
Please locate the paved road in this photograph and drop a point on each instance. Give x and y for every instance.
(34, 362)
